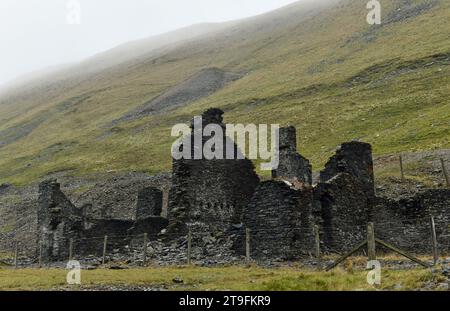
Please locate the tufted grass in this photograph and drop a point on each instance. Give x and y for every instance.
(222, 278)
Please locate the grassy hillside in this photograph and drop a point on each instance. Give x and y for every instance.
(316, 64)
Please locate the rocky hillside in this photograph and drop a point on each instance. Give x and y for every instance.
(315, 64)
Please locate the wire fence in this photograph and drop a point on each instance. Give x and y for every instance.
(416, 236)
(403, 170)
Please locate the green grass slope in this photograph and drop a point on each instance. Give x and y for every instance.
(316, 64)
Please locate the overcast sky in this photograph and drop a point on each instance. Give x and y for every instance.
(35, 34)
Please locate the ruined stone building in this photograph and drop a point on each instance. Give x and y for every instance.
(223, 197)
(59, 221)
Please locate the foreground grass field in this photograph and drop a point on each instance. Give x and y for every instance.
(223, 278)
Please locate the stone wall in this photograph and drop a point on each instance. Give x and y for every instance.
(406, 223)
(342, 210)
(280, 221)
(212, 192)
(344, 197)
(292, 165)
(58, 221)
(354, 158)
(149, 203)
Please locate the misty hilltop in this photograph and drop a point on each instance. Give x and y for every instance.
(317, 65)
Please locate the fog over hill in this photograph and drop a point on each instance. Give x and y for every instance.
(137, 50)
(317, 65)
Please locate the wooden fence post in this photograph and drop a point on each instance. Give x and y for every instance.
(371, 250)
(40, 255)
(144, 260)
(105, 245)
(132, 249)
(247, 245)
(402, 174)
(70, 249)
(434, 241)
(189, 246)
(316, 242)
(16, 254)
(444, 170)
